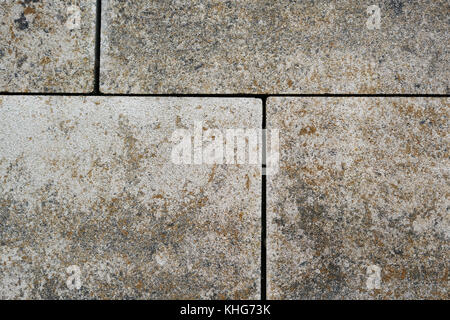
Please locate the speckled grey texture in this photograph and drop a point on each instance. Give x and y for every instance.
(322, 46)
(360, 206)
(89, 182)
(44, 47)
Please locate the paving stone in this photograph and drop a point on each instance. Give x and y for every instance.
(91, 199)
(47, 46)
(198, 46)
(359, 208)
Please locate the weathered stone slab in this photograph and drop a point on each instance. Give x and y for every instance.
(198, 46)
(91, 198)
(47, 46)
(360, 206)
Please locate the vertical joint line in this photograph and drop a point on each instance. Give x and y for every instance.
(98, 28)
(263, 205)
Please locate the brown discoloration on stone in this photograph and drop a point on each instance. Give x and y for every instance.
(307, 130)
(45, 60)
(29, 10)
(369, 187)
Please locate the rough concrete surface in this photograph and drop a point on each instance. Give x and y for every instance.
(322, 46)
(360, 206)
(91, 205)
(47, 46)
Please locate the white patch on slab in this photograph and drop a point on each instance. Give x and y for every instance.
(161, 259)
(73, 18)
(374, 277)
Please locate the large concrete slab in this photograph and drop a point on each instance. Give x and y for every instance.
(198, 46)
(360, 206)
(47, 46)
(93, 204)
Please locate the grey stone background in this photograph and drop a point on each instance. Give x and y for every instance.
(92, 207)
